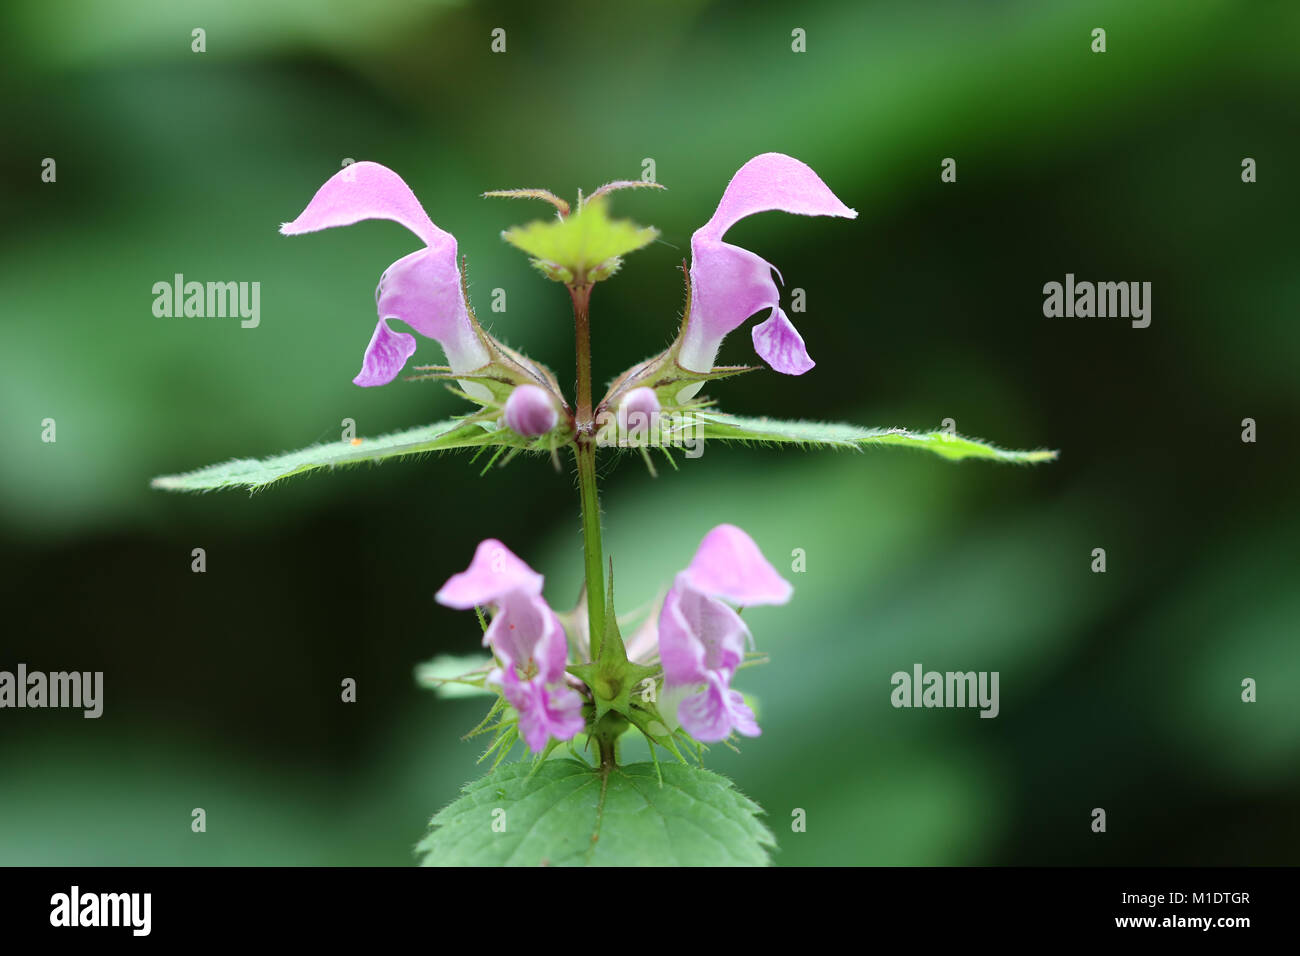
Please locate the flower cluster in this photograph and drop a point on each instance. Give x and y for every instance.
(425, 289)
(561, 681)
(700, 639)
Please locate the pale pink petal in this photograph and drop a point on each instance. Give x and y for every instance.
(494, 572)
(367, 191)
(578, 628)
(552, 651)
(519, 631)
(680, 651)
(713, 713)
(385, 356)
(729, 565)
(742, 718)
(643, 645)
(705, 716)
(698, 635)
(780, 345)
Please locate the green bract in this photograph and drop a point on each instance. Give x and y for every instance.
(584, 246)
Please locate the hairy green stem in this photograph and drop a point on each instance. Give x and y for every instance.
(584, 453)
(608, 755)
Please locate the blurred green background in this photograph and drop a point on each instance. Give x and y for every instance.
(1118, 690)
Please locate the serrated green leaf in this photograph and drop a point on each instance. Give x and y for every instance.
(568, 814)
(254, 474)
(582, 241)
(716, 425)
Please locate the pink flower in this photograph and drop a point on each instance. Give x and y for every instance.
(527, 639)
(702, 640)
(422, 289)
(545, 710)
(729, 284)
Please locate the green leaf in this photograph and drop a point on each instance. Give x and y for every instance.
(579, 242)
(568, 814)
(254, 474)
(717, 425)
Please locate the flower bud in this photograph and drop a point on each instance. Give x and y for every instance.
(530, 411)
(638, 408)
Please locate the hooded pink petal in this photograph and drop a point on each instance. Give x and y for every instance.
(773, 181)
(366, 191)
(729, 565)
(422, 289)
(729, 284)
(494, 573)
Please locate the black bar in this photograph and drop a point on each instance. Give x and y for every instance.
(333, 905)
